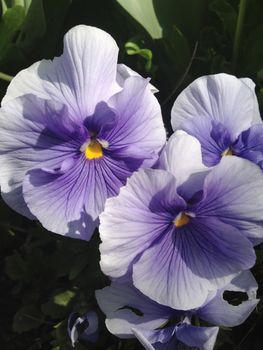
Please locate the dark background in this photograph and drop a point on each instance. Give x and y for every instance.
(45, 276)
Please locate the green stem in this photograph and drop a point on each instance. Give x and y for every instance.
(4, 7)
(5, 77)
(238, 33)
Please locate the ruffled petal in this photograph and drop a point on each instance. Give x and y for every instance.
(125, 308)
(82, 76)
(133, 220)
(205, 254)
(33, 133)
(221, 98)
(58, 199)
(215, 109)
(139, 120)
(249, 144)
(219, 312)
(232, 193)
(183, 158)
(203, 338)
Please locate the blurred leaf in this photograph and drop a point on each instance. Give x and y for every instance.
(79, 264)
(143, 12)
(227, 14)
(15, 266)
(63, 299)
(134, 49)
(179, 49)
(253, 51)
(27, 318)
(34, 25)
(4, 6)
(188, 16)
(9, 27)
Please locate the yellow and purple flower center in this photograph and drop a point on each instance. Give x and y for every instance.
(93, 149)
(181, 220)
(227, 152)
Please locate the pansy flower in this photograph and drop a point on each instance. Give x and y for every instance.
(83, 328)
(184, 230)
(130, 314)
(222, 112)
(72, 130)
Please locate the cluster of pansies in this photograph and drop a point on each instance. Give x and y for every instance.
(82, 145)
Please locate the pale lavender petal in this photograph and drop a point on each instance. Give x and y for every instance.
(203, 338)
(221, 98)
(33, 133)
(219, 312)
(182, 157)
(144, 204)
(125, 308)
(139, 120)
(124, 72)
(215, 109)
(84, 75)
(232, 193)
(205, 253)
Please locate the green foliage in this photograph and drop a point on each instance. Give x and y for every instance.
(44, 276)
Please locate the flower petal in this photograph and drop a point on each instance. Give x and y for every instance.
(33, 133)
(139, 120)
(232, 192)
(203, 338)
(221, 98)
(215, 109)
(84, 75)
(205, 253)
(126, 307)
(219, 312)
(129, 225)
(183, 158)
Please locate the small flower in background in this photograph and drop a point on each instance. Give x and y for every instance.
(72, 131)
(129, 313)
(184, 231)
(83, 328)
(222, 112)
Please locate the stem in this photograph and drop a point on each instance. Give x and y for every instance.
(5, 77)
(4, 7)
(238, 33)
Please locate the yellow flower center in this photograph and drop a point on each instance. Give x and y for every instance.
(227, 152)
(93, 150)
(181, 220)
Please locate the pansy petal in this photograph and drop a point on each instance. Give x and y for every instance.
(203, 338)
(139, 119)
(249, 144)
(61, 199)
(124, 72)
(84, 75)
(232, 193)
(76, 324)
(221, 98)
(33, 133)
(205, 254)
(125, 236)
(183, 158)
(219, 312)
(126, 307)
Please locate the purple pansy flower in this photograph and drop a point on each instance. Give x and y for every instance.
(83, 328)
(72, 131)
(184, 231)
(222, 112)
(129, 313)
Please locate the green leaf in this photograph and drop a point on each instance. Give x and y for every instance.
(27, 318)
(143, 12)
(227, 15)
(63, 299)
(15, 267)
(10, 25)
